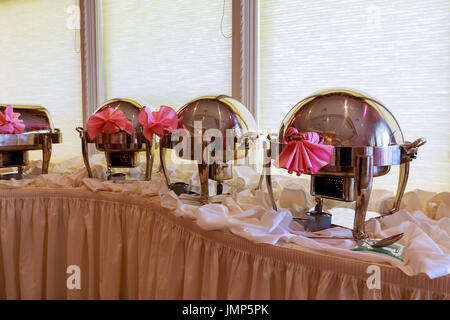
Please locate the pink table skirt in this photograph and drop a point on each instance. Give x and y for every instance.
(132, 248)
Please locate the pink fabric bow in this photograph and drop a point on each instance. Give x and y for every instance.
(307, 153)
(10, 122)
(166, 119)
(108, 121)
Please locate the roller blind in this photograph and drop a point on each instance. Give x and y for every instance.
(40, 64)
(163, 52)
(395, 51)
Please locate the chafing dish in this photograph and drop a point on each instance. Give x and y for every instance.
(121, 148)
(367, 141)
(39, 135)
(214, 131)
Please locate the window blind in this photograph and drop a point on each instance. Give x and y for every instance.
(40, 64)
(395, 51)
(167, 52)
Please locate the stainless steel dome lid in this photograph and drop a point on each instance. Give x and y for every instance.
(224, 115)
(37, 121)
(35, 118)
(345, 118)
(217, 112)
(122, 141)
(353, 123)
(129, 107)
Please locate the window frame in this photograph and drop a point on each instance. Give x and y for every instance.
(245, 78)
(92, 56)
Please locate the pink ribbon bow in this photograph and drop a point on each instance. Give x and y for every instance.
(108, 121)
(303, 151)
(166, 119)
(10, 122)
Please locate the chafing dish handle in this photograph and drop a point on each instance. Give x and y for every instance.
(402, 181)
(149, 157)
(363, 188)
(46, 152)
(409, 152)
(162, 159)
(203, 173)
(84, 150)
(266, 170)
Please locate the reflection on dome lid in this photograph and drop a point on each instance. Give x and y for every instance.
(218, 112)
(35, 118)
(129, 107)
(344, 118)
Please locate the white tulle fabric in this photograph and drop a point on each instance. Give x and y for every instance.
(138, 240)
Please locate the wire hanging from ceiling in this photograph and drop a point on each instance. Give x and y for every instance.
(221, 23)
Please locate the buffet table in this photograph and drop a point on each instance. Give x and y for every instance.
(131, 247)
